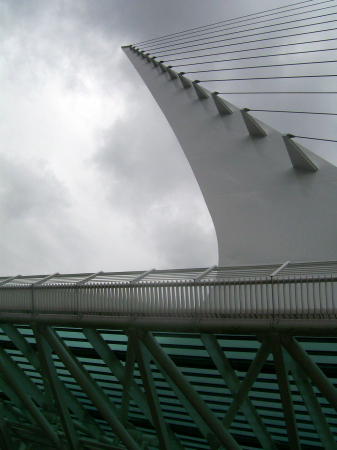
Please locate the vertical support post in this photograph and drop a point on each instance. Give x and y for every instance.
(285, 392)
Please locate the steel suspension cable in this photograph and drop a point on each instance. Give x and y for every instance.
(255, 34)
(255, 57)
(269, 78)
(293, 112)
(315, 139)
(263, 21)
(150, 49)
(263, 66)
(252, 49)
(279, 92)
(256, 40)
(234, 19)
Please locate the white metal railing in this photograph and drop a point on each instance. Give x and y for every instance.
(287, 296)
(256, 271)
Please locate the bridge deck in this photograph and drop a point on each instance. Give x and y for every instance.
(243, 358)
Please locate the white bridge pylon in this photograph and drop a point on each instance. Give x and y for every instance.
(270, 198)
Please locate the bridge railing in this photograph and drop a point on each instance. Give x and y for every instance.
(284, 296)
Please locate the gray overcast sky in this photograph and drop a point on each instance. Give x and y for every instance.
(92, 177)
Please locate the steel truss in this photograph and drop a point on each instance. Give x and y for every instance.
(77, 388)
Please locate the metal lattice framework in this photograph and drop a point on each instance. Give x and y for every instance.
(192, 374)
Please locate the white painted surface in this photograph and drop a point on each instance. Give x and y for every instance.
(251, 298)
(264, 211)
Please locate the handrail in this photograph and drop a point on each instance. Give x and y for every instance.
(239, 272)
(279, 296)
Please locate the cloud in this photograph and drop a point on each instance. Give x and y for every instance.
(115, 191)
(29, 189)
(149, 162)
(36, 233)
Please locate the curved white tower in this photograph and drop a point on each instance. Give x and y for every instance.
(271, 200)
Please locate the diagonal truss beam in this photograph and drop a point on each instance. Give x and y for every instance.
(117, 368)
(143, 359)
(7, 372)
(128, 380)
(197, 419)
(15, 399)
(17, 417)
(54, 383)
(188, 391)
(91, 427)
(285, 392)
(122, 373)
(20, 342)
(311, 403)
(32, 436)
(247, 383)
(32, 390)
(233, 383)
(6, 442)
(90, 388)
(311, 369)
(49, 401)
(12, 413)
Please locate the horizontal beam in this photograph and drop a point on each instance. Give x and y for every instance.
(293, 327)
